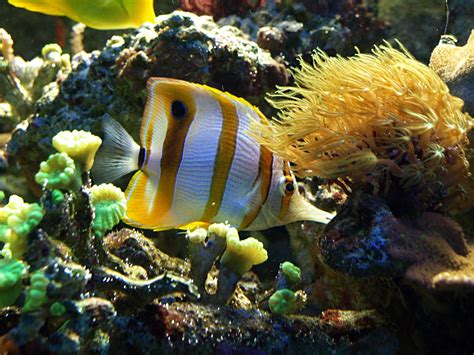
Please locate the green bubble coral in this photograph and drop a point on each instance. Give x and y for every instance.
(57, 196)
(79, 145)
(282, 301)
(59, 172)
(17, 219)
(36, 293)
(11, 272)
(291, 271)
(109, 205)
(57, 309)
(240, 255)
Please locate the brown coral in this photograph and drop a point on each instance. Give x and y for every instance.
(369, 116)
(218, 8)
(455, 65)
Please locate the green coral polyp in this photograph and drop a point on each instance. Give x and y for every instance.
(17, 219)
(291, 271)
(36, 293)
(79, 145)
(11, 272)
(59, 172)
(282, 301)
(109, 205)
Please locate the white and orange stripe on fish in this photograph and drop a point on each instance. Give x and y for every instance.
(198, 164)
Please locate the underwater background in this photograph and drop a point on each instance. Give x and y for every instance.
(371, 102)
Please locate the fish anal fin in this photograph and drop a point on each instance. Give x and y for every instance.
(141, 210)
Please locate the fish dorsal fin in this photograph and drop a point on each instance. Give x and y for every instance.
(118, 154)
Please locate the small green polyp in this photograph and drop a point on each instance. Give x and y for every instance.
(59, 172)
(292, 272)
(282, 301)
(109, 205)
(11, 272)
(36, 294)
(57, 309)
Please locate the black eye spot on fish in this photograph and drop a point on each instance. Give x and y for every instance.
(178, 109)
(141, 157)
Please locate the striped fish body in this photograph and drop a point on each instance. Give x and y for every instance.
(198, 164)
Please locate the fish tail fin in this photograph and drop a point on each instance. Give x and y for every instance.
(118, 154)
(140, 11)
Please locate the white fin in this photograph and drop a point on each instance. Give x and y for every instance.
(118, 154)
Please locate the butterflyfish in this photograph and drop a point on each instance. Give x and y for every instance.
(99, 14)
(197, 164)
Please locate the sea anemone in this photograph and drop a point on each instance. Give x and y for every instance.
(370, 116)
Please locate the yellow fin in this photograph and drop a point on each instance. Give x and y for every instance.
(37, 6)
(141, 210)
(194, 225)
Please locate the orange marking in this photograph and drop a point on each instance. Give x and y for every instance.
(285, 200)
(265, 170)
(173, 146)
(224, 157)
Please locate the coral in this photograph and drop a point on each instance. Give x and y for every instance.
(290, 29)
(292, 272)
(36, 293)
(455, 65)
(59, 172)
(17, 220)
(11, 273)
(79, 145)
(228, 329)
(57, 309)
(370, 117)
(240, 255)
(367, 239)
(109, 206)
(204, 249)
(282, 301)
(288, 276)
(220, 9)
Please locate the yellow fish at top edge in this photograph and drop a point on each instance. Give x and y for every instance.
(197, 164)
(98, 14)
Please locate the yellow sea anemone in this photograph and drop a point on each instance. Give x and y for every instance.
(79, 145)
(370, 114)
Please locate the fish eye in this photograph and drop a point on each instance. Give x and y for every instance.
(287, 185)
(290, 187)
(178, 109)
